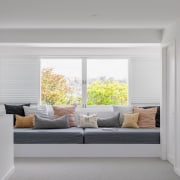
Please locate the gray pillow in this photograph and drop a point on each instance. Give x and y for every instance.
(109, 121)
(46, 123)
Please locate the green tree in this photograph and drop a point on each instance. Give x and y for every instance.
(107, 92)
(54, 87)
(56, 90)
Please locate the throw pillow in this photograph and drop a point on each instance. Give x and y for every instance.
(157, 114)
(122, 110)
(45, 123)
(109, 121)
(40, 110)
(65, 110)
(24, 121)
(88, 121)
(100, 114)
(15, 109)
(130, 120)
(2, 109)
(146, 117)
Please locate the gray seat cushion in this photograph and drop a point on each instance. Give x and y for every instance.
(48, 136)
(122, 136)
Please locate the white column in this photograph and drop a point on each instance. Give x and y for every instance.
(7, 146)
(177, 123)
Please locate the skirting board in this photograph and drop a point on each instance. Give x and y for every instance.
(8, 174)
(170, 158)
(87, 150)
(177, 171)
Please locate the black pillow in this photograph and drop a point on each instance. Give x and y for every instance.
(157, 114)
(15, 109)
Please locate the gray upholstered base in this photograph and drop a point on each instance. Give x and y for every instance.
(87, 136)
(122, 136)
(48, 136)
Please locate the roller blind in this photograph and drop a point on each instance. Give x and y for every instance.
(19, 80)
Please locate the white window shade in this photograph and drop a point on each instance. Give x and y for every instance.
(20, 80)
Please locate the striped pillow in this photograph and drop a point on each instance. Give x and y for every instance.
(65, 110)
(146, 117)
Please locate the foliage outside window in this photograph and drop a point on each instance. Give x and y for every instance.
(55, 88)
(61, 88)
(106, 93)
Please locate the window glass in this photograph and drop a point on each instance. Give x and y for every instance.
(61, 81)
(107, 81)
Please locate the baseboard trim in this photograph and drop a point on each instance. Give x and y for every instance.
(171, 159)
(8, 174)
(177, 171)
(87, 150)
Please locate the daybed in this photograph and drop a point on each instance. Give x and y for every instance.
(88, 142)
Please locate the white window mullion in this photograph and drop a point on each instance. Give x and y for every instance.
(84, 82)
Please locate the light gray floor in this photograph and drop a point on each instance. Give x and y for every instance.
(93, 168)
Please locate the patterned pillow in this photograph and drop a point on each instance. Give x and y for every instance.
(157, 114)
(130, 120)
(65, 110)
(88, 121)
(146, 117)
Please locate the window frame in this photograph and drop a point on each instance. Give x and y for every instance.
(84, 75)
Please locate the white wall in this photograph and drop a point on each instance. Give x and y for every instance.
(170, 114)
(170, 34)
(177, 124)
(7, 146)
(21, 73)
(80, 35)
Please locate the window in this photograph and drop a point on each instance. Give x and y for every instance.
(84, 81)
(107, 81)
(61, 81)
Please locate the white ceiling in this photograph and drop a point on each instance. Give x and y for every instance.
(88, 13)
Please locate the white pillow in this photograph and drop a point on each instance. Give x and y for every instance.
(2, 109)
(50, 111)
(122, 110)
(39, 110)
(102, 112)
(88, 121)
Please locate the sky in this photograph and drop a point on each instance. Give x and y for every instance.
(115, 68)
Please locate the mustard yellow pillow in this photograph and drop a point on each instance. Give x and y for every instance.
(24, 121)
(130, 120)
